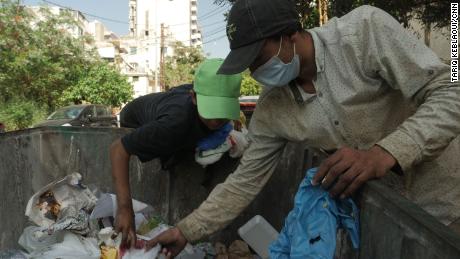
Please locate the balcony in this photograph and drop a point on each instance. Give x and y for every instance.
(196, 36)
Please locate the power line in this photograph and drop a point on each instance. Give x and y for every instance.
(200, 19)
(213, 32)
(217, 8)
(85, 13)
(215, 39)
(206, 16)
(212, 24)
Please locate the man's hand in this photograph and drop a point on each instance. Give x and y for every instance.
(172, 241)
(347, 169)
(124, 224)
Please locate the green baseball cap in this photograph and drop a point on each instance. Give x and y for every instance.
(217, 95)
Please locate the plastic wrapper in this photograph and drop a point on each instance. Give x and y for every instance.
(64, 204)
(239, 142)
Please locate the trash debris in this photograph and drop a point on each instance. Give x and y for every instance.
(148, 225)
(139, 251)
(259, 234)
(62, 205)
(237, 250)
(12, 254)
(239, 142)
(33, 239)
(72, 246)
(73, 223)
(106, 208)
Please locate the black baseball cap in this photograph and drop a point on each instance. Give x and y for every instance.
(250, 22)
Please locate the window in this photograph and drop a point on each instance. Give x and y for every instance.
(146, 33)
(88, 112)
(101, 111)
(132, 50)
(135, 78)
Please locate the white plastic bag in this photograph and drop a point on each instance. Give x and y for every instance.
(73, 246)
(239, 142)
(62, 205)
(33, 239)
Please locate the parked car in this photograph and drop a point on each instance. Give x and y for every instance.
(248, 105)
(2, 127)
(85, 115)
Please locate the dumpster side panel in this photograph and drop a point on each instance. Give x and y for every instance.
(32, 158)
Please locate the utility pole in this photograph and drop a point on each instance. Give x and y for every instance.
(162, 50)
(322, 10)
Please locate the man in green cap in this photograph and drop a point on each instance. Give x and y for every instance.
(168, 123)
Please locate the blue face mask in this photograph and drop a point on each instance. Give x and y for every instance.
(275, 72)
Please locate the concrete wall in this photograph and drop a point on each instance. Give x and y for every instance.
(391, 227)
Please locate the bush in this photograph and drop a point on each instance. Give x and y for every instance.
(19, 114)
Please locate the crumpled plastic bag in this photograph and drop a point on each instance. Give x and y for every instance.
(33, 239)
(72, 246)
(110, 244)
(12, 254)
(62, 205)
(239, 142)
(139, 251)
(106, 206)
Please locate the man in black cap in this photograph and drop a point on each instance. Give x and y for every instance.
(361, 87)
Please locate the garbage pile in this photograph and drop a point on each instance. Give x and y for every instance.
(72, 221)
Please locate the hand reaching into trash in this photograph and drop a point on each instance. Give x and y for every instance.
(172, 241)
(347, 169)
(124, 224)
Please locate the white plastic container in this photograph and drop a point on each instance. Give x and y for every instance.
(258, 233)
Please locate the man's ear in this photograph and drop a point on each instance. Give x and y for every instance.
(193, 95)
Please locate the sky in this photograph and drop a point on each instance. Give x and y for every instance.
(210, 18)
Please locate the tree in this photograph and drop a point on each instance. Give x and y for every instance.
(101, 84)
(39, 59)
(42, 66)
(249, 86)
(180, 67)
(436, 12)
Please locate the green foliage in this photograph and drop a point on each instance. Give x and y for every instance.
(428, 12)
(180, 68)
(18, 113)
(249, 86)
(39, 58)
(41, 63)
(101, 84)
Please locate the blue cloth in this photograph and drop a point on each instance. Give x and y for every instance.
(215, 139)
(311, 227)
